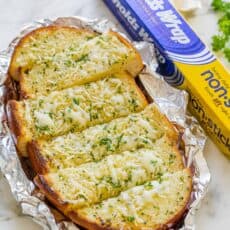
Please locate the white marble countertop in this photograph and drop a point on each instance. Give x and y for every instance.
(214, 211)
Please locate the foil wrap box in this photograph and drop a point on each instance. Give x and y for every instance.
(184, 61)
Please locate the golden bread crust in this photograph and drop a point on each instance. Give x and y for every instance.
(44, 186)
(17, 125)
(14, 71)
(38, 161)
(135, 67)
(77, 217)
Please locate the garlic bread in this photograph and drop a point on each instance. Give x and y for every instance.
(95, 181)
(74, 109)
(138, 130)
(102, 154)
(54, 58)
(152, 204)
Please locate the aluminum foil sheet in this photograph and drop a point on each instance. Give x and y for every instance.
(171, 101)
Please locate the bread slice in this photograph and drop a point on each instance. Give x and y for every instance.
(74, 109)
(154, 205)
(95, 181)
(54, 58)
(138, 130)
(45, 42)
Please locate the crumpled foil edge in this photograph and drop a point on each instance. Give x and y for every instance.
(171, 101)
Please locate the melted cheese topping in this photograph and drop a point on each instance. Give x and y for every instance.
(56, 63)
(96, 181)
(149, 205)
(77, 108)
(44, 44)
(115, 173)
(135, 131)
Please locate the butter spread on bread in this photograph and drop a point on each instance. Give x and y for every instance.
(55, 58)
(74, 109)
(138, 130)
(102, 155)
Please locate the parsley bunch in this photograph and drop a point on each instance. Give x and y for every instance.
(221, 42)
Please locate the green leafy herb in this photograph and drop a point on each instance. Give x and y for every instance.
(119, 140)
(83, 58)
(148, 185)
(221, 42)
(42, 128)
(218, 42)
(220, 5)
(154, 162)
(68, 63)
(227, 53)
(40, 102)
(107, 142)
(134, 103)
(172, 158)
(89, 38)
(109, 180)
(93, 115)
(130, 218)
(159, 177)
(76, 101)
(182, 179)
(82, 196)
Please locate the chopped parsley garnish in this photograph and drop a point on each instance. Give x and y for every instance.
(159, 177)
(82, 196)
(89, 38)
(40, 102)
(83, 58)
(129, 177)
(68, 63)
(172, 158)
(182, 179)
(133, 102)
(153, 162)
(148, 185)
(107, 142)
(221, 41)
(130, 218)
(109, 180)
(119, 141)
(50, 115)
(145, 141)
(42, 128)
(93, 115)
(76, 101)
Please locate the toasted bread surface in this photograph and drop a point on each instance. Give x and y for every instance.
(95, 181)
(55, 58)
(103, 156)
(77, 108)
(17, 121)
(152, 205)
(43, 42)
(138, 130)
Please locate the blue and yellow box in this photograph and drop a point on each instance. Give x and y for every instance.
(184, 61)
